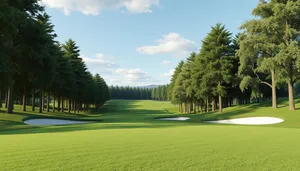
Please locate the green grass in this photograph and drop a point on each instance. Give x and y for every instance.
(126, 137)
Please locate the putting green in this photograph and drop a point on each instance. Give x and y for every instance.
(130, 139)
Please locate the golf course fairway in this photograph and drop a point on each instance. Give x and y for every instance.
(127, 136)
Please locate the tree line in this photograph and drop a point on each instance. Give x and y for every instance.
(139, 93)
(130, 93)
(160, 93)
(33, 65)
(260, 61)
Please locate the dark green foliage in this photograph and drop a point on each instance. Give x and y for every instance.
(33, 64)
(270, 45)
(130, 93)
(171, 89)
(160, 93)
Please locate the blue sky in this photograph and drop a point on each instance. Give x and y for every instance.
(139, 42)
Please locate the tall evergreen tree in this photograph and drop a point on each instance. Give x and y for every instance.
(173, 80)
(217, 52)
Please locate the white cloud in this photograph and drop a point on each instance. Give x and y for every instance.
(134, 75)
(139, 6)
(105, 66)
(94, 7)
(100, 64)
(171, 43)
(168, 74)
(100, 56)
(110, 80)
(166, 62)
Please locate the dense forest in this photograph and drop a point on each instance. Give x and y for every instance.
(37, 70)
(262, 61)
(160, 93)
(139, 93)
(130, 93)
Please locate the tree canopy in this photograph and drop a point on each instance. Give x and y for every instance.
(34, 64)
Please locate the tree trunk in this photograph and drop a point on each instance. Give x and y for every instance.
(213, 104)
(191, 106)
(187, 108)
(181, 109)
(69, 106)
(79, 107)
(58, 104)
(9, 99)
(0, 98)
(74, 106)
(274, 96)
(195, 108)
(220, 103)
(41, 101)
(207, 105)
(33, 100)
(48, 102)
(291, 96)
(62, 105)
(200, 107)
(53, 105)
(6, 98)
(24, 100)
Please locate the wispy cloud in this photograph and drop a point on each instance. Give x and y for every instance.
(99, 64)
(94, 7)
(134, 75)
(168, 74)
(171, 43)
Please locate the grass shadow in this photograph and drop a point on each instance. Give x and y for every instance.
(120, 115)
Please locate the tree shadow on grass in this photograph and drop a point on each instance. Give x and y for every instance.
(283, 102)
(231, 113)
(89, 127)
(169, 111)
(126, 115)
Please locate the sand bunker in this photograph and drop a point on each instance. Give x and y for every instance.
(174, 119)
(250, 121)
(46, 122)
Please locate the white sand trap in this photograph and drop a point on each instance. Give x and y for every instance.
(250, 121)
(174, 119)
(46, 122)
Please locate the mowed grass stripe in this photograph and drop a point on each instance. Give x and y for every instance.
(180, 147)
(127, 138)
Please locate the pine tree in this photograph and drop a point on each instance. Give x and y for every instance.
(173, 80)
(218, 58)
(186, 73)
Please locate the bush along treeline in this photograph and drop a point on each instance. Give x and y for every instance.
(262, 61)
(37, 70)
(160, 93)
(130, 93)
